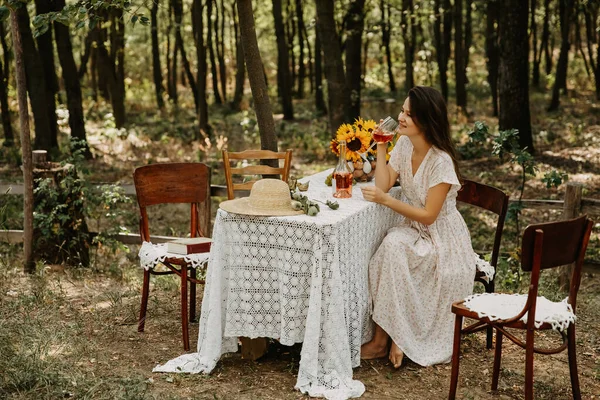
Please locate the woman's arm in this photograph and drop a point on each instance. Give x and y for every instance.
(433, 205)
(385, 176)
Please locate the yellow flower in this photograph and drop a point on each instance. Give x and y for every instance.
(343, 130)
(369, 125)
(358, 139)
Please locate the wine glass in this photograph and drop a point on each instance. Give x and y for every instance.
(382, 134)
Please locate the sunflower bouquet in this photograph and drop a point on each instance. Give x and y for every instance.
(359, 150)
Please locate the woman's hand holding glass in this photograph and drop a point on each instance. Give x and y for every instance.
(384, 133)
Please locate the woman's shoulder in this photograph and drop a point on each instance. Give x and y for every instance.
(440, 157)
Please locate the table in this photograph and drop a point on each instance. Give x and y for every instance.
(296, 279)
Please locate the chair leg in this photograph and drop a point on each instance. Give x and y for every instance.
(573, 362)
(497, 359)
(184, 308)
(144, 305)
(455, 357)
(529, 366)
(489, 288)
(192, 295)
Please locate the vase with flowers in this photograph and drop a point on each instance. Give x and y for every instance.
(360, 153)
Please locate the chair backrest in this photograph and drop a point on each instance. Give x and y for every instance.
(491, 199)
(553, 244)
(178, 183)
(264, 156)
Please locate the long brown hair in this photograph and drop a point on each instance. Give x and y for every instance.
(428, 110)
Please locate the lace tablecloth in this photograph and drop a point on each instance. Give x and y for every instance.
(297, 279)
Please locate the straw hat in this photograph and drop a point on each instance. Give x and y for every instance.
(268, 197)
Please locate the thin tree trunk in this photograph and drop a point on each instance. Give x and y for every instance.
(71, 81)
(408, 22)
(513, 82)
(117, 97)
(178, 14)
(563, 59)
(212, 31)
(491, 50)
(591, 14)
(354, 29)
(459, 61)
(337, 91)
(319, 99)
(301, 38)
(156, 70)
(284, 80)
(549, 44)
(240, 67)
(291, 35)
(94, 73)
(87, 51)
(262, 104)
(29, 265)
(385, 41)
(535, 73)
(468, 35)
(310, 63)
(202, 107)
(9, 138)
(220, 42)
(36, 82)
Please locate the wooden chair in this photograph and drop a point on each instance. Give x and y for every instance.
(174, 183)
(261, 155)
(543, 246)
(496, 201)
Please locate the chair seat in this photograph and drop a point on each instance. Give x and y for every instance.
(498, 307)
(151, 254)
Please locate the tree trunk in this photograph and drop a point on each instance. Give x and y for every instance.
(337, 92)
(408, 21)
(178, 14)
(156, 70)
(16, 21)
(442, 31)
(513, 72)
(94, 73)
(87, 51)
(468, 35)
(491, 51)
(258, 85)
(310, 58)
(36, 82)
(9, 138)
(71, 81)
(291, 35)
(301, 38)
(240, 67)
(172, 65)
(319, 99)
(385, 41)
(46, 50)
(460, 70)
(117, 47)
(220, 42)
(549, 45)
(284, 80)
(211, 51)
(535, 73)
(567, 8)
(202, 109)
(355, 22)
(591, 15)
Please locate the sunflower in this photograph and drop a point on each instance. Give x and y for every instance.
(369, 125)
(357, 141)
(334, 146)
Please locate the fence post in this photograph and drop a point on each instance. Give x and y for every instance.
(571, 209)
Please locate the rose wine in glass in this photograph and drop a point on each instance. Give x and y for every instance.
(385, 131)
(342, 175)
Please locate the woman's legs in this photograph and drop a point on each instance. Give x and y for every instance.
(377, 347)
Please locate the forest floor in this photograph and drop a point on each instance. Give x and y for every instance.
(71, 333)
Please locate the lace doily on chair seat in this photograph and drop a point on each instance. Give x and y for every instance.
(485, 267)
(152, 254)
(503, 306)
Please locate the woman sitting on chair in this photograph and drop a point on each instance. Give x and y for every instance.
(426, 262)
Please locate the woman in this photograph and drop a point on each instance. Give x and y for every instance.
(427, 262)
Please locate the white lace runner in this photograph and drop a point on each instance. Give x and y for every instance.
(485, 267)
(152, 254)
(503, 306)
(297, 279)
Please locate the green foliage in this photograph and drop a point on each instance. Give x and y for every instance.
(554, 178)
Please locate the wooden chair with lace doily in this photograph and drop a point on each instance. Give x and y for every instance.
(496, 201)
(544, 246)
(273, 168)
(173, 183)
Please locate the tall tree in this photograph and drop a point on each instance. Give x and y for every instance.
(16, 20)
(460, 67)
(220, 42)
(491, 51)
(71, 81)
(442, 31)
(355, 22)
(36, 82)
(301, 40)
(566, 16)
(240, 67)
(202, 105)
(213, 30)
(386, 30)
(156, 69)
(409, 27)
(258, 85)
(284, 80)
(337, 92)
(9, 137)
(318, 78)
(178, 14)
(513, 82)
(592, 34)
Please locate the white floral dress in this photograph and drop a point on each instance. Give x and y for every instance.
(419, 270)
